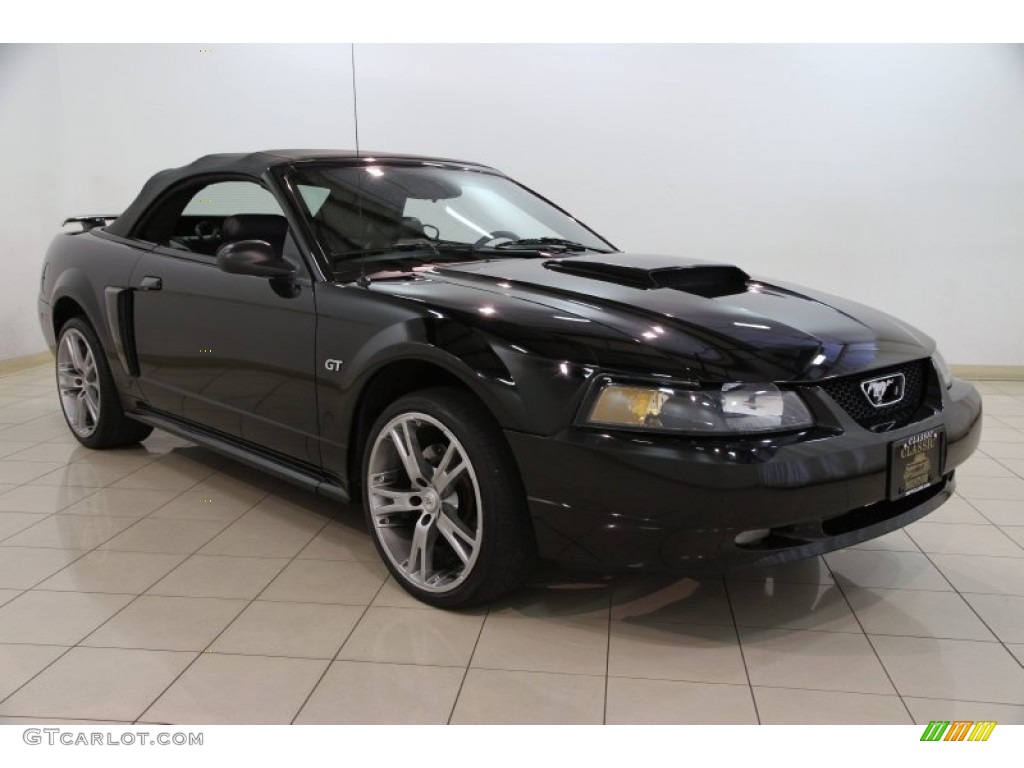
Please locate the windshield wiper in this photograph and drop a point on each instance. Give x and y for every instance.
(537, 243)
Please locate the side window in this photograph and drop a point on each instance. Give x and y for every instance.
(313, 197)
(223, 212)
(228, 198)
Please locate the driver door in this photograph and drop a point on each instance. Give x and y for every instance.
(230, 353)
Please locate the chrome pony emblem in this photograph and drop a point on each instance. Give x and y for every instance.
(885, 390)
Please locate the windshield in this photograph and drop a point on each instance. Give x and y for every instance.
(401, 215)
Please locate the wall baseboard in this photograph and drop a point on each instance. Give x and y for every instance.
(989, 372)
(21, 363)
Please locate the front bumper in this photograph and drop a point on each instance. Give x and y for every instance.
(614, 501)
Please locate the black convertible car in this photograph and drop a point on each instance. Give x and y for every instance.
(495, 379)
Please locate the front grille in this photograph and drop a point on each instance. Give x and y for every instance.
(849, 396)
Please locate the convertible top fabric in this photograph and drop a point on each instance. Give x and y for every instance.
(253, 164)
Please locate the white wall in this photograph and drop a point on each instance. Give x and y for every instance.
(30, 116)
(83, 126)
(891, 175)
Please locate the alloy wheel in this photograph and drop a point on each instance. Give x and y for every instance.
(78, 383)
(424, 500)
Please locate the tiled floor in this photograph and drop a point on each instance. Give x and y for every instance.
(165, 584)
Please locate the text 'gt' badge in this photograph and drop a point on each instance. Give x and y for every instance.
(885, 390)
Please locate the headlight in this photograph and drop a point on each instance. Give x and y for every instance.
(730, 409)
(942, 368)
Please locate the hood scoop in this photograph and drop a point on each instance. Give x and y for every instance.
(707, 280)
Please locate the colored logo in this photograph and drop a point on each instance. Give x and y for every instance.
(958, 730)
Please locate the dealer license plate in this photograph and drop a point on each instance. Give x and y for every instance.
(915, 462)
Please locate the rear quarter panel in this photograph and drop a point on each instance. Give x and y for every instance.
(78, 267)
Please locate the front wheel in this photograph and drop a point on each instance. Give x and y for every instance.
(444, 501)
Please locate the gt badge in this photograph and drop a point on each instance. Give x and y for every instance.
(332, 365)
(885, 390)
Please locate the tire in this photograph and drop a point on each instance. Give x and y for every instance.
(444, 502)
(87, 393)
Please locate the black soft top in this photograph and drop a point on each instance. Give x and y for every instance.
(253, 164)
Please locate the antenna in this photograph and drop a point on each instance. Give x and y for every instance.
(355, 99)
(363, 281)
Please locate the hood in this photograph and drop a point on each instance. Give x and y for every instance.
(722, 322)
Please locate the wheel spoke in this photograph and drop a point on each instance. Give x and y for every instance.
(88, 366)
(66, 379)
(446, 474)
(421, 549)
(458, 535)
(397, 501)
(77, 411)
(409, 451)
(74, 351)
(91, 405)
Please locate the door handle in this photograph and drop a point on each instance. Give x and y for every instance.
(151, 283)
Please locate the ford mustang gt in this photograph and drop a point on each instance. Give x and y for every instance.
(492, 378)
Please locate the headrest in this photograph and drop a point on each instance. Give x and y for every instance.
(255, 226)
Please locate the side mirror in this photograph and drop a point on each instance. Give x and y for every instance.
(253, 257)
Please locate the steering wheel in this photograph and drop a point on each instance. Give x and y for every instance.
(496, 235)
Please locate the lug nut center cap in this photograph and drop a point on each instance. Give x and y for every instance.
(431, 501)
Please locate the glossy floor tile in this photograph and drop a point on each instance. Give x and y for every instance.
(634, 701)
(570, 646)
(102, 683)
(212, 576)
(220, 688)
(367, 693)
(791, 606)
(22, 568)
(164, 584)
(830, 661)
(160, 623)
(498, 697)
(670, 651)
(926, 710)
(165, 536)
(917, 613)
(793, 706)
(56, 618)
(120, 572)
(1004, 615)
(299, 630)
(411, 636)
(952, 669)
(20, 663)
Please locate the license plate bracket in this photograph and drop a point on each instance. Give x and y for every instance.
(915, 462)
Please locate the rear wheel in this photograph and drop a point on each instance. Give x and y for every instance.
(88, 395)
(444, 501)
